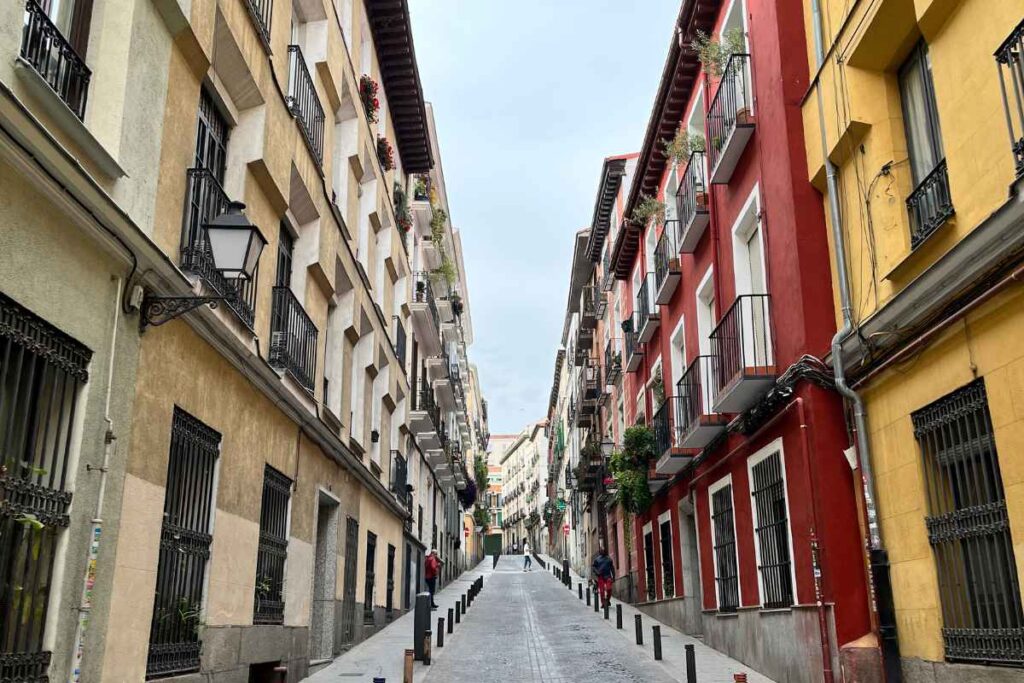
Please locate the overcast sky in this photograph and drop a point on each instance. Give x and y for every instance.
(529, 97)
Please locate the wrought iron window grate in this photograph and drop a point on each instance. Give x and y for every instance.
(771, 526)
(304, 103)
(54, 59)
(668, 581)
(368, 584)
(969, 530)
(1010, 61)
(726, 574)
(184, 548)
(292, 338)
(268, 600)
(41, 373)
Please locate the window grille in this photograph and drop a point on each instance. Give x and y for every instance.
(771, 527)
(184, 548)
(268, 601)
(668, 579)
(389, 602)
(41, 373)
(969, 530)
(649, 565)
(368, 584)
(726, 574)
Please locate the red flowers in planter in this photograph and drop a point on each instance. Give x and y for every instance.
(368, 94)
(404, 223)
(385, 153)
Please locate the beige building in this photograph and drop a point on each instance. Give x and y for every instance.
(254, 481)
(524, 486)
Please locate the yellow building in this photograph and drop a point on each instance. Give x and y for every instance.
(915, 136)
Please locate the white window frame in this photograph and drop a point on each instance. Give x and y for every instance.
(712, 489)
(697, 112)
(705, 314)
(741, 230)
(677, 352)
(763, 454)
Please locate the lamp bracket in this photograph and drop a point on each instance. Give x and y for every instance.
(157, 310)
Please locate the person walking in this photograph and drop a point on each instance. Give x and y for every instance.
(603, 570)
(527, 562)
(432, 565)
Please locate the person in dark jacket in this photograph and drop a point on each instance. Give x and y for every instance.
(603, 570)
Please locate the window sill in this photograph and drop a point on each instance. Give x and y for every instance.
(66, 120)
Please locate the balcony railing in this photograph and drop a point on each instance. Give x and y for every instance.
(53, 58)
(400, 479)
(304, 103)
(260, 12)
(589, 384)
(631, 340)
(607, 275)
(292, 338)
(698, 422)
(666, 262)
(929, 205)
(424, 294)
(613, 360)
(730, 118)
(647, 317)
(400, 341)
(692, 202)
(588, 307)
(743, 347)
(1010, 60)
(205, 199)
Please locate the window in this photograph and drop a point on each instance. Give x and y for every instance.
(929, 204)
(41, 373)
(185, 540)
(371, 560)
(724, 545)
(268, 602)
(389, 600)
(54, 41)
(211, 138)
(668, 579)
(705, 312)
(771, 528)
(649, 562)
(969, 530)
(285, 248)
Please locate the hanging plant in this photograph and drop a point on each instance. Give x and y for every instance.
(648, 208)
(628, 468)
(385, 153)
(368, 90)
(467, 496)
(714, 54)
(437, 222)
(683, 145)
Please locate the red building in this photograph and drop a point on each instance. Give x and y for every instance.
(730, 307)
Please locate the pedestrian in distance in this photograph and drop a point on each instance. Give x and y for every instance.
(603, 570)
(527, 562)
(432, 565)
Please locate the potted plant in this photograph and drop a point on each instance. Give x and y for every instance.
(419, 189)
(714, 54)
(684, 145)
(385, 153)
(368, 89)
(648, 208)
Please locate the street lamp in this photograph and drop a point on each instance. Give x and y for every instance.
(235, 247)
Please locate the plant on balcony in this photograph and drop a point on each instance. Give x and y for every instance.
(683, 145)
(446, 270)
(402, 216)
(629, 467)
(482, 518)
(658, 392)
(467, 496)
(419, 189)
(437, 222)
(648, 208)
(368, 90)
(714, 54)
(385, 153)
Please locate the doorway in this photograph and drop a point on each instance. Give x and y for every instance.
(325, 571)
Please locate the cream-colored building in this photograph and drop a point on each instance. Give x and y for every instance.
(524, 478)
(255, 481)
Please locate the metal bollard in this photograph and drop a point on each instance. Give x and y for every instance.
(440, 631)
(426, 647)
(638, 622)
(656, 637)
(588, 596)
(618, 616)
(451, 620)
(691, 665)
(597, 599)
(580, 586)
(421, 623)
(463, 603)
(458, 613)
(606, 606)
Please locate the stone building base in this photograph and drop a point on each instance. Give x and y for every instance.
(923, 671)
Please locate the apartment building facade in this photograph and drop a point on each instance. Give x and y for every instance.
(259, 455)
(915, 138)
(524, 486)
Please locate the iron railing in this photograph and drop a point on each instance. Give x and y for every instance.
(724, 546)
(53, 58)
(930, 205)
(666, 425)
(272, 552)
(205, 199)
(400, 341)
(607, 274)
(613, 360)
(260, 12)
(369, 577)
(731, 105)
(668, 574)
(771, 528)
(304, 103)
(649, 568)
(696, 392)
(292, 338)
(969, 530)
(589, 388)
(742, 343)
(589, 298)
(41, 373)
(425, 402)
(646, 308)
(666, 253)
(423, 293)
(400, 479)
(692, 197)
(631, 341)
(1010, 62)
(184, 549)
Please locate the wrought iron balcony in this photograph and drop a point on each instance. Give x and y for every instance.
(304, 103)
(730, 118)
(590, 300)
(699, 423)
(205, 199)
(589, 388)
(744, 350)
(647, 317)
(425, 317)
(929, 205)
(1010, 60)
(425, 417)
(400, 480)
(634, 352)
(292, 338)
(692, 203)
(400, 341)
(53, 58)
(613, 360)
(260, 12)
(667, 438)
(607, 274)
(667, 270)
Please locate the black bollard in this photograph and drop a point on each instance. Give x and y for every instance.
(458, 613)
(420, 624)
(618, 616)
(451, 620)
(463, 603)
(588, 596)
(597, 599)
(691, 665)
(606, 606)
(440, 631)
(656, 637)
(580, 586)
(639, 629)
